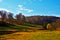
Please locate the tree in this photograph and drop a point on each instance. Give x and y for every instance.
(1, 16)
(4, 18)
(20, 18)
(10, 18)
(57, 24)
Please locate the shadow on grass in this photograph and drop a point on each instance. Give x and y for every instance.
(5, 26)
(6, 32)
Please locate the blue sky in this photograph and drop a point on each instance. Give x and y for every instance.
(32, 7)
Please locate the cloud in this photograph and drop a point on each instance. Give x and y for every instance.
(22, 8)
(20, 5)
(29, 11)
(5, 9)
(1, 0)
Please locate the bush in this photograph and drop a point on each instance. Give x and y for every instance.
(49, 26)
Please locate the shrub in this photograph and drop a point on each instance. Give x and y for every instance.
(49, 26)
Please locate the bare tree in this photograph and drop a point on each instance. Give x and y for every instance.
(0, 16)
(20, 18)
(10, 18)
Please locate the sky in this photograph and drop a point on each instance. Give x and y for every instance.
(32, 7)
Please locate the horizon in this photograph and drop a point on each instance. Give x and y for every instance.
(32, 7)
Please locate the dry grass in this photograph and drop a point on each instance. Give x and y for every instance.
(38, 35)
(18, 36)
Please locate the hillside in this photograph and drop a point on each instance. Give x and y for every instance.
(41, 19)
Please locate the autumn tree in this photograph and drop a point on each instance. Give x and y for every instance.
(0, 16)
(4, 18)
(10, 18)
(57, 24)
(20, 18)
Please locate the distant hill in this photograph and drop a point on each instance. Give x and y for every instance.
(41, 19)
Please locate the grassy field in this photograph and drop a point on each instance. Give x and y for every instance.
(38, 35)
(28, 32)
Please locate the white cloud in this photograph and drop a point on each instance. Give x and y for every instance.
(4, 9)
(20, 5)
(1, 0)
(22, 8)
(29, 11)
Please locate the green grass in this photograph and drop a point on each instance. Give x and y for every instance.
(21, 27)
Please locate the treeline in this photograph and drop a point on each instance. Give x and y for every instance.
(8, 18)
(47, 22)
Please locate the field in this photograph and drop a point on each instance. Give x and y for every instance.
(28, 32)
(38, 35)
